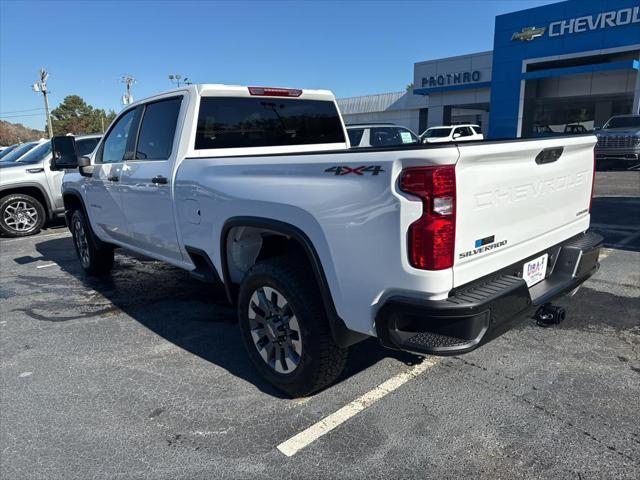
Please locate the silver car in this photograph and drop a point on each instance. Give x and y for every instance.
(619, 140)
(30, 192)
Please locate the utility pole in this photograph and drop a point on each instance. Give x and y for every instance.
(102, 122)
(128, 80)
(41, 87)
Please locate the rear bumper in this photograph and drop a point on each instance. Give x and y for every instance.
(486, 308)
(630, 154)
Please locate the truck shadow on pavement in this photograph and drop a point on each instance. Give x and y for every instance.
(192, 315)
(617, 219)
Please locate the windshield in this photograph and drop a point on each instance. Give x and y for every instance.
(85, 146)
(8, 150)
(37, 154)
(632, 121)
(437, 132)
(19, 151)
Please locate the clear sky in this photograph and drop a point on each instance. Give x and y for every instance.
(353, 48)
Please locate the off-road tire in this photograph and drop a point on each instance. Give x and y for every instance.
(96, 257)
(321, 361)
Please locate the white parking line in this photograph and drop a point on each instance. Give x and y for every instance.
(37, 237)
(324, 426)
(47, 265)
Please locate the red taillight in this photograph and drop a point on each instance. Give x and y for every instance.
(432, 236)
(593, 181)
(274, 92)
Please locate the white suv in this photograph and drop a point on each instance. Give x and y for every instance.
(452, 133)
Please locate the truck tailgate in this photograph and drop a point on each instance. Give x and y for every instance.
(515, 199)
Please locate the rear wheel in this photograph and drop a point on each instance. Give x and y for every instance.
(96, 257)
(21, 215)
(285, 330)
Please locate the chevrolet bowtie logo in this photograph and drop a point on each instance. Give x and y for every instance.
(529, 33)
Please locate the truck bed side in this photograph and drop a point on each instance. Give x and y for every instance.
(349, 205)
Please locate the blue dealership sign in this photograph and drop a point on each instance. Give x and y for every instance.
(571, 28)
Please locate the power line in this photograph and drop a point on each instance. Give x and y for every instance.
(20, 111)
(20, 116)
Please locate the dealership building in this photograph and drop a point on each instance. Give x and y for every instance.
(564, 68)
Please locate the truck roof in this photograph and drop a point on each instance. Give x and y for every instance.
(222, 90)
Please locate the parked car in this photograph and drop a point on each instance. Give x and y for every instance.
(8, 149)
(619, 140)
(452, 133)
(30, 192)
(380, 135)
(432, 250)
(18, 151)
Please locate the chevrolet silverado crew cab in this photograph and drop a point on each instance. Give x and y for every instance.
(433, 249)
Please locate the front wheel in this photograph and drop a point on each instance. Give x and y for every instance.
(21, 215)
(96, 257)
(285, 330)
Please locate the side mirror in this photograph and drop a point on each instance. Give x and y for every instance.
(456, 135)
(65, 154)
(85, 167)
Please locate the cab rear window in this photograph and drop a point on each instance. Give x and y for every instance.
(262, 122)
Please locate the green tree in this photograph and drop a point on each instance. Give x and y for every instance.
(76, 116)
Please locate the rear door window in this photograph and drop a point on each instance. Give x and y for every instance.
(408, 136)
(261, 122)
(464, 131)
(437, 132)
(158, 128)
(389, 136)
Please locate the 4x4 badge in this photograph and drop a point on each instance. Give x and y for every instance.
(344, 170)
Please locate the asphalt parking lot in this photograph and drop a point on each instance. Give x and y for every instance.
(142, 375)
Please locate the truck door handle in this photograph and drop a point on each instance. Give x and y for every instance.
(113, 178)
(35, 170)
(159, 180)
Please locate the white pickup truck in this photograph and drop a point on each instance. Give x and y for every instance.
(434, 249)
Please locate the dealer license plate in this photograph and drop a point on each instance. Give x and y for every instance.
(535, 270)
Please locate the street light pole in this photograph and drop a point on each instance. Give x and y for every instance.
(41, 86)
(128, 80)
(176, 78)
